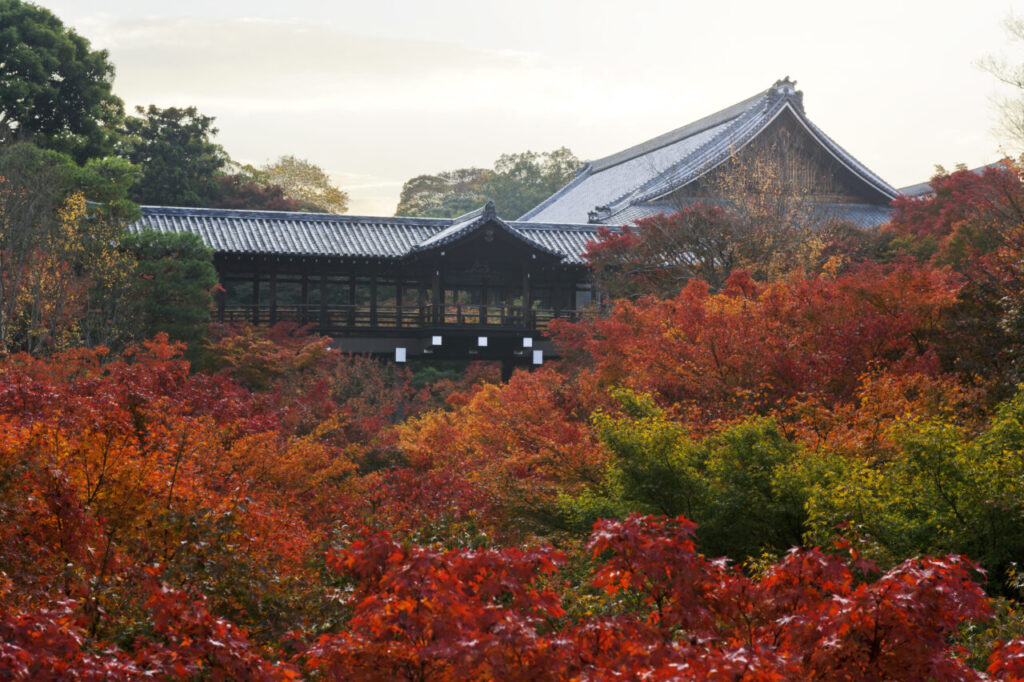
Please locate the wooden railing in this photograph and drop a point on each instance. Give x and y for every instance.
(384, 317)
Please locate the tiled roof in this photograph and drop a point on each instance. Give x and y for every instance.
(862, 215)
(613, 187)
(320, 234)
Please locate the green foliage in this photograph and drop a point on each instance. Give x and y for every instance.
(943, 491)
(444, 195)
(741, 486)
(517, 183)
(178, 159)
(521, 181)
(54, 89)
(62, 279)
(174, 280)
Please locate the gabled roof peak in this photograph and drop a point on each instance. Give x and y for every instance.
(784, 88)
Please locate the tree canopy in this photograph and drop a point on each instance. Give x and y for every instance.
(54, 89)
(517, 183)
(306, 183)
(178, 158)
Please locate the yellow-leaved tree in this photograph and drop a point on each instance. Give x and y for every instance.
(306, 182)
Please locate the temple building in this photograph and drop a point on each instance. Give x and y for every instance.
(471, 287)
(478, 286)
(684, 165)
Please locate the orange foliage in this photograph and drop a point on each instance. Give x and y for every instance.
(754, 347)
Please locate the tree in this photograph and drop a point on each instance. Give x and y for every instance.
(54, 89)
(973, 223)
(755, 212)
(173, 148)
(758, 348)
(521, 181)
(62, 278)
(305, 182)
(1010, 109)
(942, 490)
(239, 192)
(517, 183)
(445, 195)
(175, 278)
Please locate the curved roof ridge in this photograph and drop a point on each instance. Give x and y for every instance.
(581, 175)
(689, 130)
(302, 216)
(471, 221)
(709, 155)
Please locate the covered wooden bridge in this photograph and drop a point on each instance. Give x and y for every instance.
(473, 287)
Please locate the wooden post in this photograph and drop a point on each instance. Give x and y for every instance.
(421, 290)
(398, 302)
(556, 295)
(483, 302)
(352, 300)
(527, 298)
(435, 298)
(305, 299)
(256, 298)
(325, 322)
(373, 300)
(273, 298)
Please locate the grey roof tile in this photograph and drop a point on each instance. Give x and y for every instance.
(652, 169)
(314, 234)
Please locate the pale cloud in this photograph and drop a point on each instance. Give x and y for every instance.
(379, 92)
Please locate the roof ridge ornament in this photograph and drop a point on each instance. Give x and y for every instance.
(489, 212)
(784, 88)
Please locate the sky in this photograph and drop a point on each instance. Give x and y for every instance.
(379, 91)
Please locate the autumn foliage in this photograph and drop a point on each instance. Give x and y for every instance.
(816, 477)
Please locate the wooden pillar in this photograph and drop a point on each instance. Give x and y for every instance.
(325, 322)
(507, 306)
(273, 298)
(527, 298)
(556, 294)
(421, 290)
(373, 300)
(398, 302)
(256, 298)
(435, 298)
(483, 302)
(305, 299)
(351, 300)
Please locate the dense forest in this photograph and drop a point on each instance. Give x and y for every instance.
(815, 476)
(796, 455)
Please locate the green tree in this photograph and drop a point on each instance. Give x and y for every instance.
(517, 183)
(444, 195)
(943, 491)
(739, 486)
(174, 281)
(521, 181)
(306, 183)
(62, 277)
(54, 89)
(179, 161)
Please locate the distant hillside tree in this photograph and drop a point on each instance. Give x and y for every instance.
(54, 89)
(517, 183)
(306, 183)
(443, 195)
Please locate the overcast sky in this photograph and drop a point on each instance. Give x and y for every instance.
(377, 92)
